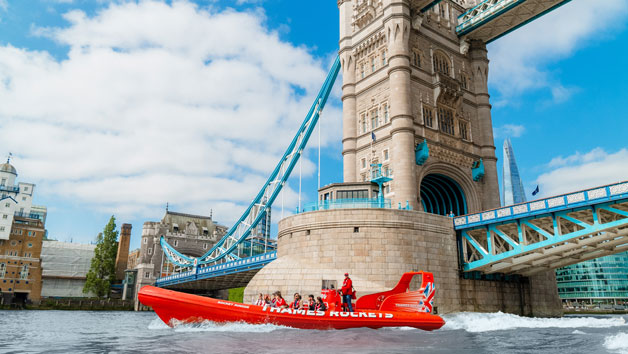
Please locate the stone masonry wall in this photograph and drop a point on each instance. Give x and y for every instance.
(376, 246)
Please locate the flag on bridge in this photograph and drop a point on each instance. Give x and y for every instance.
(373, 136)
(536, 190)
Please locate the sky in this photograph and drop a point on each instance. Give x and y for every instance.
(121, 107)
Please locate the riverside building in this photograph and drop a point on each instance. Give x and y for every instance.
(188, 234)
(21, 233)
(602, 280)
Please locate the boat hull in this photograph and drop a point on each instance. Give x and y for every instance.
(173, 306)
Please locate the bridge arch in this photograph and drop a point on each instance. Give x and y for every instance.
(444, 188)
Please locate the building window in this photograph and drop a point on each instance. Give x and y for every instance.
(416, 58)
(3, 269)
(25, 189)
(383, 58)
(7, 205)
(357, 194)
(23, 198)
(150, 250)
(386, 155)
(30, 245)
(427, 117)
(204, 246)
(374, 119)
(1, 228)
(387, 189)
(372, 65)
(5, 216)
(147, 275)
(464, 130)
(176, 243)
(29, 233)
(464, 81)
(4, 181)
(441, 64)
(24, 272)
(446, 120)
(363, 163)
(362, 69)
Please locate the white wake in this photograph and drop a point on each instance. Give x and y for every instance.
(617, 343)
(485, 322)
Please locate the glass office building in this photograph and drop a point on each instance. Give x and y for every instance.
(512, 188)
(601, 280)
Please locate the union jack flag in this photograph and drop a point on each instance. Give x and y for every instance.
(427, 303)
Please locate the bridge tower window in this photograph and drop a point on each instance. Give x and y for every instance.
(441, 63)
(446, 120)
(463, 127)
(374, 119)
(428, 118)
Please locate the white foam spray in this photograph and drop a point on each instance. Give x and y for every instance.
(485, 322)
(617, 343)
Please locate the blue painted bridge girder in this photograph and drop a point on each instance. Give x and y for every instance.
(218, 276)
(546, 234)
(492, 19)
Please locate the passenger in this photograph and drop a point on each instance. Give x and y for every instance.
(320, 305)
(347, 291)
(311, 301)
(267, 299)
(279, 301)
(260, 300)
(296, 304)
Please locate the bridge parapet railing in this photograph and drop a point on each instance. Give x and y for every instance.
(541, 206)
(222, 267)
(484, 11)
(355, 203)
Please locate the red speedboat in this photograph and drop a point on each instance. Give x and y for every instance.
(399, 307)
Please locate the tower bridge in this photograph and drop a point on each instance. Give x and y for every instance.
(416, 104)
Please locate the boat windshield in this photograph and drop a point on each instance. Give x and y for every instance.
(415, 283)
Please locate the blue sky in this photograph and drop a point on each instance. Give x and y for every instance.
(119, 107)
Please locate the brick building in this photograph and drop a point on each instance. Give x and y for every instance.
(21, 233)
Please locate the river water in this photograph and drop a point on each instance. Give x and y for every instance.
(125, 332)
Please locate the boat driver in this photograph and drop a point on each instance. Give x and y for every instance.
(347, 291)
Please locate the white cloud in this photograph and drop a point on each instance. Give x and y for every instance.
(518, 59)
(581, 171)
(509, 131)
(158, 103)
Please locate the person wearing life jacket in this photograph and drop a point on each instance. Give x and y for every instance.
(312, 302)
(296, 304)
(347, 291)
(320, 305)
(260, 300)
(279, 301)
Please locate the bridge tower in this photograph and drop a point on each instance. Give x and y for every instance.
(415, 99)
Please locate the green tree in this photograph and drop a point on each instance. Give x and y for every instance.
(103, 268)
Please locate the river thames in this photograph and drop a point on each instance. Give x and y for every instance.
(125, 332)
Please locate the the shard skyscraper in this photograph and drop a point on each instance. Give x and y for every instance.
(512, 188)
